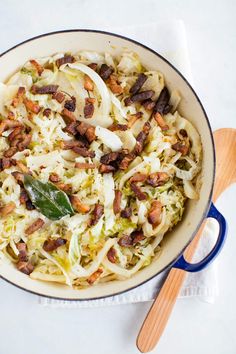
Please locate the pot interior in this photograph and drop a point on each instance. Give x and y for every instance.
(190, 107)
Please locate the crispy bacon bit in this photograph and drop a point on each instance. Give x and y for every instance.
(24, 142)
(54, 178)
(19, 97)
(138, 177)
(25, 267)
(83, 151)
(137, 191)
(44, 90)
(19, 177)
(181, 148)
(114, 127)
(37, 66)
(10, 152)
(5, 163)
(31, 106)
(183, 133)
(93, 66)
(111, 255)
(87, 130)
(71, 128)
(148, 104)
(64, 60)
(106, 168)
(93, 277)
(9, 124)
(139, 97)
(157, 179)
(105, 71)
(141, 138)
(88, 108)
(132, 118)
(97, 214)
(22, 167)
(137, 236)
(138, 83)
(125, 160)
(14, 133)
(58, 96)
(162, 101)
(160, 121)
(23, 196)
(126, 241)
(154, 213)
(70, 104)
(90, 134)
(70, 144)
(29, 205)
(47, 112)
(52, 244)
(22, 248)
(108, 158)
(78, 205)
(67, 188)
(126, 213)
(68, 116)
(7, 209)
(88, 83)
(117, 202)
(84, 165)
(37, 224)
(114, 84)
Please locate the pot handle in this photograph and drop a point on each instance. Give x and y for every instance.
(196, 267)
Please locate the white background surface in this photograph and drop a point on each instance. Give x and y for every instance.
(195, 327)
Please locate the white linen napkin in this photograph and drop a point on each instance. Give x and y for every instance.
(170, 41)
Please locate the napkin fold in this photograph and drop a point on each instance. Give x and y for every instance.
(170, 41)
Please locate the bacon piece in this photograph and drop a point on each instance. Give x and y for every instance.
(114, 84)
(154, 213)
(183, 133)
(47, 112)
(14, 133)
(84, 165)
(126, 213)
(31, 106)
(138, 83)
(36, 225)
(9, 124)
(88, 83)
(58, 96)
(162, 101)
(52, 244)
(88, 108)
(93, 277)
(138, 192)
(68, 116)
(139, 97)
(19, 97)
(105, 71)
(117, 202)
(138, 177)
(5, 163)
(24, 143)
(157, 179)
(29, 205)
(108, 158)
(96, 214)
(22, 248)
(78, 205)
(70, 144)
(37, 66)
(106, 168)
(111, 255)
(44, 90)
(10, 152)
(114, 127)
(19, 177)
(70, 104)
(184, 149)
(83, 151)
(87, 130)
(23, 196)
(148, 104)
(93, 66)
(71, 128)
(132, 118)
(65, 187)
(161, 122)
(137, 236)
(141, 138)
(25, 267)
(54, 178)
(126, 241)
(7, 209)
(125, 160)
(64, 60)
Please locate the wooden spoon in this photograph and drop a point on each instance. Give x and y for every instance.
(157, 317)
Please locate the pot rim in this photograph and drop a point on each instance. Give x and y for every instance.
(204, 214)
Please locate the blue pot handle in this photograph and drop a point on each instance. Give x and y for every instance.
(196, 267)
